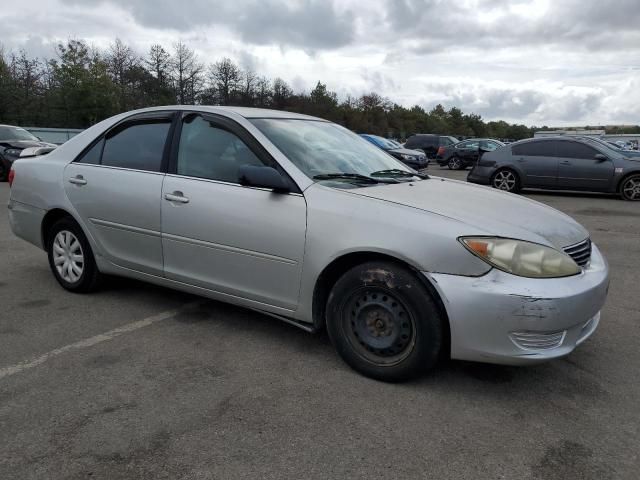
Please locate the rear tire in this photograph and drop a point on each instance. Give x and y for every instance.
(454, 163)
(506, 180)
(4, 173)
(630, 188)
(383, 322)
(71, 258)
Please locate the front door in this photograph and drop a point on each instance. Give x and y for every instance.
(579, 169)
(240, 241)
(115, 187)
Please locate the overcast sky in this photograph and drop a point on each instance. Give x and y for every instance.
(538, 62)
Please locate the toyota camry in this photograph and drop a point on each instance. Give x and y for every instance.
(301, 219)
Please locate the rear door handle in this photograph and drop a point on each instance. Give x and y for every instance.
(565, 162)
(176, 197)
(78, 180)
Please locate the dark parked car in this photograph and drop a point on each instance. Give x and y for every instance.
(12, 141)
(559, 163)
(429, 143)
(416, 159)
(466, 153)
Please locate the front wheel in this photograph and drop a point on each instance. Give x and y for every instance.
(383, 322)
(630, 188)
(506, 180)
(70, 257)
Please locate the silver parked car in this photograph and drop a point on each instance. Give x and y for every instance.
(301, 219)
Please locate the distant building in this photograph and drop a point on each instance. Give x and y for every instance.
(628, 138)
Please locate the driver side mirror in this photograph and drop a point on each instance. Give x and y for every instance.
(601, 157)
(262, 177)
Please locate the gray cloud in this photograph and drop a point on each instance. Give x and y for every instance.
(308, 24)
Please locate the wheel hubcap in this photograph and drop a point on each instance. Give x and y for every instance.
(68, 257)
(455, 163)
(631, 189)
(378, 326)
(504, 181)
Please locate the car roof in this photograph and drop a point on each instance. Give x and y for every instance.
(246, 112)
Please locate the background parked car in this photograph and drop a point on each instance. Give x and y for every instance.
(624, 151)
(466, 153)
(563, 163)
(429, 143)
(416, 159)
(12, 141)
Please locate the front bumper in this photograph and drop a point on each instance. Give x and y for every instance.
(503, 318)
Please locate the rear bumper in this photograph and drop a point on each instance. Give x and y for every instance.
(480, 175)
(26, 222)
(502, 318)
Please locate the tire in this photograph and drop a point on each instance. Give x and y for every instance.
(384, 323)
(70, 257)
(630, 188)
(455, 163)
(4, 173)
(506, 180)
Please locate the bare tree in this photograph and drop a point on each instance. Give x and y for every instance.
(225, 78)
(121, 61)
(187, 74)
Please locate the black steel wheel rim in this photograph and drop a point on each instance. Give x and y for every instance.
(378, 326)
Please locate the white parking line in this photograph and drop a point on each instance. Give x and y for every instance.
(102, 337)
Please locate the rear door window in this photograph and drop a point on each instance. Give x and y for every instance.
(536, 149)
(138, 145)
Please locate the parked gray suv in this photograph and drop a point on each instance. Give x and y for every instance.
(561, 163)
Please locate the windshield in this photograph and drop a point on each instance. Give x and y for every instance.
(320, 148)
(603, 145)
(15, 133)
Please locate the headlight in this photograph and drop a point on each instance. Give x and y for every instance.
(522, 258)
(407, 157)
(12, 152)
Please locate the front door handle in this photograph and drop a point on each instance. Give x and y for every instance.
(78, 180)
(565, 162)
(176, 197)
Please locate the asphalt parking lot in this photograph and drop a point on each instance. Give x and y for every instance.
(137, 381)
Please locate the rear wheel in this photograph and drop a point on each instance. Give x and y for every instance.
(70, 257)
(455, 163)
(630, 188)
(3, 172)
(506, 180)
(383, 322)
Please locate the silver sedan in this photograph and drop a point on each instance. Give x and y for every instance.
(303, 220)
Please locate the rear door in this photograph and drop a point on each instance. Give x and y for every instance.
(579, 169)
(538, 161)
(115, 187)
(468, 150)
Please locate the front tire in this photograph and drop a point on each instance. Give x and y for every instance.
(506, 180)
(455, 163)
(70, 257)
(630, 188)
(383, 322)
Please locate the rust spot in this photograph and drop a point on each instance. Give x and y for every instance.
(379, 275)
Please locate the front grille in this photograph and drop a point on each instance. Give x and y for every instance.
(580, 252)
(538, 340)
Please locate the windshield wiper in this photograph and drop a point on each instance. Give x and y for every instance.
(396, 172)
(346, 176)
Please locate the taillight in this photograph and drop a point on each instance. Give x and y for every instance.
(12, 175)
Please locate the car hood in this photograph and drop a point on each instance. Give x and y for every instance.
(22, 144)
(492, 211)
(406, 151)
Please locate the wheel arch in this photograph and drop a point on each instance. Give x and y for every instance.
(624, 178)
(340, 265)
(49, 220)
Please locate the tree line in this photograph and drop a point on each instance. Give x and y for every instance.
(82, 85)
